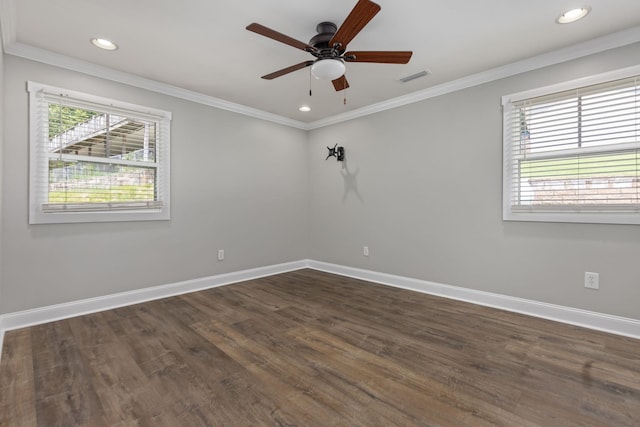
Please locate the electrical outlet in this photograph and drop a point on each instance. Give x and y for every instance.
(221, 255)
(365, 251)
(591, 280)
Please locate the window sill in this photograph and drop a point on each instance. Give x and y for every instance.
(630, 218)
(40, 217)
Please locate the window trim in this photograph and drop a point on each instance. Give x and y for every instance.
(555, 214)
(38, 169)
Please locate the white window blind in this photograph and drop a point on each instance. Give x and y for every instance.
(574, 155)
(95, 159)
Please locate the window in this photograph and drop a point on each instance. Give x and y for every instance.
(571, 152)
(94, 159)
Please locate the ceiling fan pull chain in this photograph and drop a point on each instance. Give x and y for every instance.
(345, 96)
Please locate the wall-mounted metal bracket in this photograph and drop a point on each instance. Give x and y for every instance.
(337, 152)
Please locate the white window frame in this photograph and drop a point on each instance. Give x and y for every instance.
(557, 214)
(39, 167)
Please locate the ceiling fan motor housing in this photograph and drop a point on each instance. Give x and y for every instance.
(320, 41)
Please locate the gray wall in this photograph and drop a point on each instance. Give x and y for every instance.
(238, 184)
(2, 128)
(422, 187)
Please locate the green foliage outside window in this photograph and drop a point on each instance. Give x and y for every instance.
(62, 118)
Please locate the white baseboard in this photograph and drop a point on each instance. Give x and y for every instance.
(52, 313)
(573, 316)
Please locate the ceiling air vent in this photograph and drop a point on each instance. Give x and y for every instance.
(415, 76)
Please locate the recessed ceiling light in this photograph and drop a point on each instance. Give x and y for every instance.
(104, 44)
(304, 108)
(573, 15)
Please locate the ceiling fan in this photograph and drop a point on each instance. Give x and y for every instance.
(329, 47)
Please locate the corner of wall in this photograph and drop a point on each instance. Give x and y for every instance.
(309, 201)
(1, 180)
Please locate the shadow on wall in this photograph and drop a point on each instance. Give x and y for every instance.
(350, 182)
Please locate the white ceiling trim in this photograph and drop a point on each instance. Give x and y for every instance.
(73, 64)
(11, 47)
(580, 50)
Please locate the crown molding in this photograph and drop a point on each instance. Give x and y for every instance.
(590, 47)
(601, 44)
(51, 58)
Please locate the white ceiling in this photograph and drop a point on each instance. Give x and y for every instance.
(202, 45)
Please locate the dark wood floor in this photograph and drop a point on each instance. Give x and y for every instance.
(312, 349)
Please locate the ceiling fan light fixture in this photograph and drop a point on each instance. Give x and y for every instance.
(304, 108)
(328, 69)
(573, 15)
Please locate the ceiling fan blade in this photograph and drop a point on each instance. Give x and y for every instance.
(380, 57)
(282, 38)
(340, 83)
(287, 70)
(362, 13)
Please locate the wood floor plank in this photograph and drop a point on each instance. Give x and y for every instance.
(208, 301)
(308, 348)
(125, 392)
(16, 381)
(64, 391)
(405, 391)
(297, 383)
